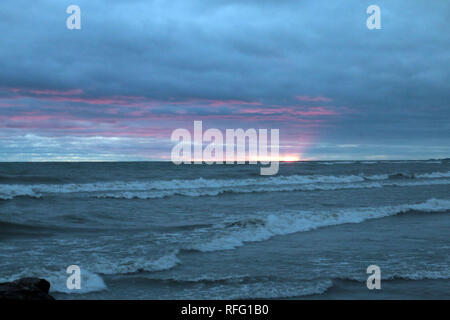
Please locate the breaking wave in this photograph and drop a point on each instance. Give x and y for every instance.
(267, 290)
(9, 192)
(256, 189)
(422, 275)
(91, 279)
(90, 282)
(238, 233)
(214, 187)
(249, 289)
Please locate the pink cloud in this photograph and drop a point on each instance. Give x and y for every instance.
(217, 103)
(213, 102)
(46, 92)
(31, 118)
(313, 99)
(310, 111)
(112, 100)
(8, 105)
(72, 96)
(76, 96)
(57, 93)
(135, 115)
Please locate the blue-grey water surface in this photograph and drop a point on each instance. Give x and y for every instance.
(147, 230)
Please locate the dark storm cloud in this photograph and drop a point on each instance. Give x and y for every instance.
(137, 63)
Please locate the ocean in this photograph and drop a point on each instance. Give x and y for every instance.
(154, 230)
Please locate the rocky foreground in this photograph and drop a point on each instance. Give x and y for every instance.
(25, 289)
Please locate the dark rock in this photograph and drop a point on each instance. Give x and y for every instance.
(25, 289)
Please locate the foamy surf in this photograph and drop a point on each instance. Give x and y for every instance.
(422, 275)
(90, 282)
(436, 273)
(214, 187)
(271, 225)
(434, 175)
(9, 192)
(259, 290)
(91, 279)
(260, 189)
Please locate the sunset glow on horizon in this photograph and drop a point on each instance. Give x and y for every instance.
(224, 71)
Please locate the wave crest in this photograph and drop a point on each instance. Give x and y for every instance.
(214, 187)
(289, 222)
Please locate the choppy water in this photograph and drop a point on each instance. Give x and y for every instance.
(160, 231)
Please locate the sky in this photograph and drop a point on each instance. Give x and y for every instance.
(137, 70)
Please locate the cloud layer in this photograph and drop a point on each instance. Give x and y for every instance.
(137, 70)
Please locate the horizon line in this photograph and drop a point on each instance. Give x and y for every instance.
(169, 161)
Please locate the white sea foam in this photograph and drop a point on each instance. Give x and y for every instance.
(214, 187)
(163, 188)
(8, 192)
(416, 274)
(279, 290)
(434, 175)
(199, 183)
(292, 222)
(90, 282)
(260, 290)
(216, 192)
(256, 189)
(423, 275)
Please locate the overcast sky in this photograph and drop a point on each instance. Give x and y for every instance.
(137, 70)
